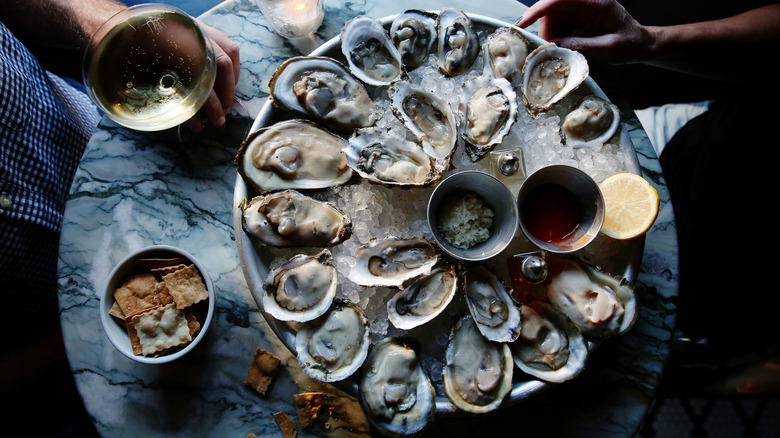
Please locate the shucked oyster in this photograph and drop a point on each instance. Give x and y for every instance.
(594, 120)
(550, 347)
(392, 261)
(370, 53)
(302, 288)
(423, 299)
(549, 74)
(491, 305)
(477, 373)
(324, 90)
(380, 156)
(414, 34)
(333, 346)
(458, 42)
(293, 154)
(395, 391)
(291, 219)
(488, 109)
(503, 53)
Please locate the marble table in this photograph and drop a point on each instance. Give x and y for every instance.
(137, 189)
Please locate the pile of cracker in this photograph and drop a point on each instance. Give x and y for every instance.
(161, 304)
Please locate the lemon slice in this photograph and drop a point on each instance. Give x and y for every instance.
(630, 205)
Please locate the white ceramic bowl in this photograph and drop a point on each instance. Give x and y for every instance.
(117, 333)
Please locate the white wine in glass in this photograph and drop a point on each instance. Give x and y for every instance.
(149, 67)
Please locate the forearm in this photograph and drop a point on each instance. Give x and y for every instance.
(57, 23)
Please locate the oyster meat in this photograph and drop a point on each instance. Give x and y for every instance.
(392, 261)
(477, 373)
(414, 34)
(395, 391)
(488, 109)
(293, 154)
(291, 219)
(594, 120)
(549, 347)
(335, 345)
(550, 73)
(380, 156)
(458, 42)
(324, 90)
(491, 305)
(423, 299)
(428, 116)
(597, 303)
(503, 54)
(370, 53)
(302, 288)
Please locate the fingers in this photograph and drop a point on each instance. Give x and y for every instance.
(211, 111)
(228, 66)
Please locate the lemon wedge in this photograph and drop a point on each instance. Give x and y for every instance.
(630, 205)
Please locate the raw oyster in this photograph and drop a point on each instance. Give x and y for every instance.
(503, 53)
(293, 154)
(594, 120)
(392, 261)
(491, 305)
(597, 303)
(477, 373)
(429, 117)
(488, 109)
(395, 391)
(549, 347)
(423, 299)
(371, 55)
(458, 42)
(291, 219)
(335, 345)
(414, 34)
(302, 288)
(380, 156)
(324, 90)
(549, 74)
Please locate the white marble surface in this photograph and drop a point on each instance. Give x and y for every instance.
(135, 189)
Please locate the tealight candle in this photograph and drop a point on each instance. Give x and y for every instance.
(292, 18)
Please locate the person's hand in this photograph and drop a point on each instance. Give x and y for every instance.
(602, 29)
(221, 98)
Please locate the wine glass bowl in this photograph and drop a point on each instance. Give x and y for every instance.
(150, 67)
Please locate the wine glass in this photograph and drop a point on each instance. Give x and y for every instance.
(150, 67)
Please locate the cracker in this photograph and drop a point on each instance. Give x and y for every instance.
(286, 425)
(159, 272)
(133, 295)
(161, 328)
(262, 371)
(116, 312)
(186, 286)
(308, 405)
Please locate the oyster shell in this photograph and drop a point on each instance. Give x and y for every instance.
(477, 373)
(380, 156)
(549, 347)
(293, 154)
(593, 120)
(291, 219)
(335, 345)
(597, 303)
(458, 42)
(414, 34)
(371, 55)
(429, 117)
(324, 90)
(550, 73)
(491, 305)
(423, 299)
(488, 109)
(392, 261)
(302, 288)
(395, 391)
(503, 53)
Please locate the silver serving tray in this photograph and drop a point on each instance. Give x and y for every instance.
(255, 258)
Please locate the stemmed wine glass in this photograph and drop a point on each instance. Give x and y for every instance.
(150, 67)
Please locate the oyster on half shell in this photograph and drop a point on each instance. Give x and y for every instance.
(393, 261)
(414, 34)
(488, 109)
(593, 120)
(503, 53)
(423, 299)
(458, 42)
(550, 73)
(370, 53)
(491, 305)
(477, 373)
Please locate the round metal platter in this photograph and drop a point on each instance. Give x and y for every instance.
(255, 258)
